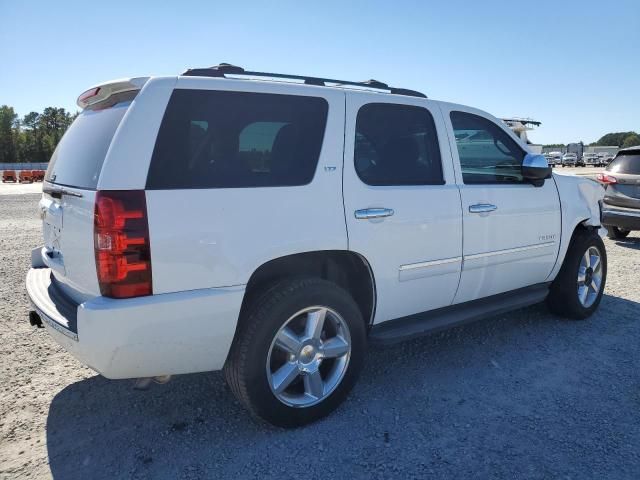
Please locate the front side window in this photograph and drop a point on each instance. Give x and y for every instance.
(487, 153)
(397, 145)
(219, 139)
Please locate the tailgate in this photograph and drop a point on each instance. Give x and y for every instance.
(67, 224)
(69, 192)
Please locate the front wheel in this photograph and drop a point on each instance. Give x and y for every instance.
(298, 353)
(577, 290)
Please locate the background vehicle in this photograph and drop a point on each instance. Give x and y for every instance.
(569, 160)
(607, 158)
(274, 229)
(591, 160)
(556, 158)
(621, 204)
(578, 149)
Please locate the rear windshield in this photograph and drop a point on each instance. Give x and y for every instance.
(217, 139)
(78, 158)
(627, 163)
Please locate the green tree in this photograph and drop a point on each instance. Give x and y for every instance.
(51, 124)
(614, 138)
(631, 140)
(8, 125)
(35, 136)
(30, 142)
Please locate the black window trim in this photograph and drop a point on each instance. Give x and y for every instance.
(408, 184)
(518, 146)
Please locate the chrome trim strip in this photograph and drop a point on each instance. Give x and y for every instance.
(623, 213)
(432, 263)
(508, 250)
(55, 325)
(482, 208)
(369, 213)
(61, 191)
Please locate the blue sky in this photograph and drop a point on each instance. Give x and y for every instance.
(573, 65)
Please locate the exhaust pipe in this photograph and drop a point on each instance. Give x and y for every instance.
(145, 382)
(35, 320)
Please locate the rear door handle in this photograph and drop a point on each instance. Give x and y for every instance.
(368, 213)
(482, 208)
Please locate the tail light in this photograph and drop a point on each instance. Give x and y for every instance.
(121, 244)
(606, 178)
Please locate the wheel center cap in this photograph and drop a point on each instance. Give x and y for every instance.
(307, 354)
(588, 276)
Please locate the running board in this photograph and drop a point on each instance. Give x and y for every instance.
(405, 328)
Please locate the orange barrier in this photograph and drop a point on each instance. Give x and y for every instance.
(9, 176)
(38, 175)
(26, 176)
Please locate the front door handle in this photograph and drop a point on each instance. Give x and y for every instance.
(482, 208)
(368, 213)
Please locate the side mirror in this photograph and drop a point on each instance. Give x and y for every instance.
(536, 169)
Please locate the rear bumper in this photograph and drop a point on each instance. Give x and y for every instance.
(624, 218)
(150, 336)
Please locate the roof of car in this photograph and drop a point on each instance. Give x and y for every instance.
(629, 149)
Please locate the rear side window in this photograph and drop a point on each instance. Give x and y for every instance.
(487, 153)
(217, 139)
(397, 145)
(626, 163)
(78, 158)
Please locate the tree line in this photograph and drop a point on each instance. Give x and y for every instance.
(621, 139)
(34, 137)
(616, 139)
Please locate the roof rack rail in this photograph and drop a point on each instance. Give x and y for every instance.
(227, 69)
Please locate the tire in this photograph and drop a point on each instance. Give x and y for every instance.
(256, 360)
(615, 233)
(566, 291)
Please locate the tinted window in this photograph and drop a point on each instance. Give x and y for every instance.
(487, 153)
(626, 163)
(78, 158)
(214, 139)
(396, 145)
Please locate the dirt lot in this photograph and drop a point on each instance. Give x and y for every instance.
(525, 395)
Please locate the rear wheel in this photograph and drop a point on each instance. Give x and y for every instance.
(299, 352)
(616, 233)
(577, 290)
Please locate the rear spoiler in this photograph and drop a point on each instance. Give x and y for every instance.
(103, 92)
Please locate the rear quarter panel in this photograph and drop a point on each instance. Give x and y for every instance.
(127, 161)
(203, 238)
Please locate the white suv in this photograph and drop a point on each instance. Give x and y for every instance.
(273, 226)
(570, 159)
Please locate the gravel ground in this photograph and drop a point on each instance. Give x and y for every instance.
(524, 395)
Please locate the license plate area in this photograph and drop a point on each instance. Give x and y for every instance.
(52, 225)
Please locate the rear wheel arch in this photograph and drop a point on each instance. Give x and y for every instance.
(349, 270)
